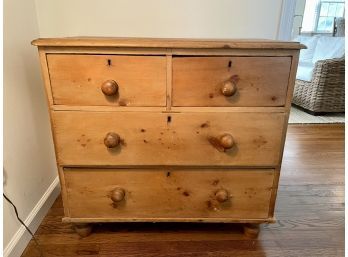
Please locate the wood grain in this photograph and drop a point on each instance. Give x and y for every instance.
(263, 81)
(155, 104)
(167, 139)
(168, 51)
(77, 79)
(168, 193)
(310, 214)
(167, 43)
(163, 109)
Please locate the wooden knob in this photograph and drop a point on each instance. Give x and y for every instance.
(117, 195)
(109, 88)
(229, 88)
(222, 195)
(111, 140)
(226, 141)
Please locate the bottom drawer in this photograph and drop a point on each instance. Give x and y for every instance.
(136, 194)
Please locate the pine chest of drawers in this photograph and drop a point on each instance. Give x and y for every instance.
(167, 129)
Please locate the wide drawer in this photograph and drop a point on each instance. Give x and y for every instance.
(150, 138)
(252, 81)
(78, 80)
(168, 194)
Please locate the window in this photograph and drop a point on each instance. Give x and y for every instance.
(319, 15)
(327, 12)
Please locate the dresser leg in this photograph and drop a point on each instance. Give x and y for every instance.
(83, 229)
(251, 230)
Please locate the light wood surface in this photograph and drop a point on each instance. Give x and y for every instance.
(176, 220)
(310, 215)
(259, 81)
(167, 43)
(169, 193)
(290, 89)
(168, 139)
(164, 110)
(78, 79)
(169, 81)
(133, 110)
(168, 51)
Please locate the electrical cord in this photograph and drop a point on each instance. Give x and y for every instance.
(21, 221)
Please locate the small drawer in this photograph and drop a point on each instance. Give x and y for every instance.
(122, 194)
(230, 81)
(150, 138)
(114, 80)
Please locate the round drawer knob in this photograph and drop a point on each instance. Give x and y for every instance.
(111, 140)
(226, 141)
(109, 88)
(222, 195)
(229, 88)
(117, 195)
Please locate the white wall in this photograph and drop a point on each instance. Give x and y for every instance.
(29, 163)
(160, 18)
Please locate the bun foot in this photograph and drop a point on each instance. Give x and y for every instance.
(83, 229)
(251, 230)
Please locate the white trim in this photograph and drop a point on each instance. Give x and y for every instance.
(286, 19)
(21, 238)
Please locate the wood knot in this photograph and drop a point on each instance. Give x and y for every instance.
(185, 193)
(205, 125)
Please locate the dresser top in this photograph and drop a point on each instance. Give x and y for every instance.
(167, 43)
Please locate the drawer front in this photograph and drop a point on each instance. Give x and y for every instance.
(79, 80)
(230, 81)
(150, 138)
(169, 194)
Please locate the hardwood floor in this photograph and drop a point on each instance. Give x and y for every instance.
(310, 213)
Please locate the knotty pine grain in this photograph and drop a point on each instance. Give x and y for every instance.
(310, 213)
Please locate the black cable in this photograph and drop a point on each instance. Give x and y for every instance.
(21, 221)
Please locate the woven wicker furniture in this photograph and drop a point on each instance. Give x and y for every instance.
(325, 92)
(319, 86)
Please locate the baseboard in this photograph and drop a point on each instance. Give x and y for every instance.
(21, 238)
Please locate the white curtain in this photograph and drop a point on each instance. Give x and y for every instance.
(310, 15)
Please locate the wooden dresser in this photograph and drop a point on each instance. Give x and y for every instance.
(167, 129)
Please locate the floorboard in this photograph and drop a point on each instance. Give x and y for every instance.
(309, 210)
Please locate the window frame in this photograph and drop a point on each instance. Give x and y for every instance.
(334, 17)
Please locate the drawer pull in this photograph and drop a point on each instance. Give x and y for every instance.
(222, 195)
(111, 140)
(226, 141)
(117, 195)
(229, 87)
(222, 143)
(109, 88)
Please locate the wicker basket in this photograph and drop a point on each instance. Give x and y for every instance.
(325, 93)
